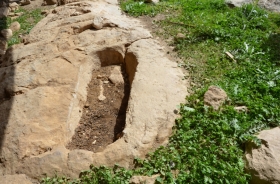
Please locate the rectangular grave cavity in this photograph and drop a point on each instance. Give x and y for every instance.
(104, 114)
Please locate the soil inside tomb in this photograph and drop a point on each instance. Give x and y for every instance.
(104, 114)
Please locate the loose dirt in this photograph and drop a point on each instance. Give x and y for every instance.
(102, 121)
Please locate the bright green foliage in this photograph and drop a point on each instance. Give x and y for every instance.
(204, 149)
(103, 175)
(96, 175)
(27, 21)
(138, 8)
(207, 145)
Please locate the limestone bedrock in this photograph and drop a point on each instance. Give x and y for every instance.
(43, 88)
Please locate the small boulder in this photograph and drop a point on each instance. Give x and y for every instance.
(116, 75)
(215, 97)
(97, 23)
(263, 163)
(15, 26)
(7, 33)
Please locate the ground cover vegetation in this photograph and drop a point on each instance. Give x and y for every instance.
(207, 146)
(27, 21)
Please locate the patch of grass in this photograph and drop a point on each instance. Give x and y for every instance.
(27, 21)
(96, 175)
(139, 8)
(208, 146)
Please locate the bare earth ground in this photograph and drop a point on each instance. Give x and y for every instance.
(102, 121)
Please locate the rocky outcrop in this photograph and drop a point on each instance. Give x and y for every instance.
(43, 89)
(263, 163)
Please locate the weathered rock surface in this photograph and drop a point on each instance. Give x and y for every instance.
(215, 97)
(263, 163)
(272, 5)
(43, 89)
(15, 179)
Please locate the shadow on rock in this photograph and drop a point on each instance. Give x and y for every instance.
(6, 78)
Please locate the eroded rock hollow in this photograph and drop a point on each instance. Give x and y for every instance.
(50, 83)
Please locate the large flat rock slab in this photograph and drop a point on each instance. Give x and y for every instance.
(43, 89)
